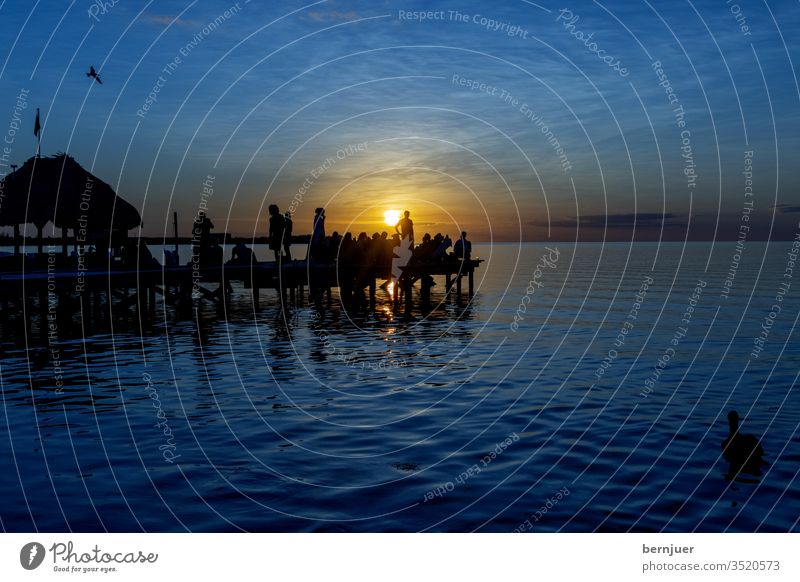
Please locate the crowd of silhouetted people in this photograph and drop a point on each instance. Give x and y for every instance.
(373, 253)
(360, 259)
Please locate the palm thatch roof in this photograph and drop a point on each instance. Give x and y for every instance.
(58, 189)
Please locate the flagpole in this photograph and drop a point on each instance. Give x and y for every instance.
(37, 131)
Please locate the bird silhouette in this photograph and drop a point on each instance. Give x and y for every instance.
(93, 74)
(742, 451)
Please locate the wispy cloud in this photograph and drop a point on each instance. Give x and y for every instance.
(165, 20)
(627, 220)
(787, 208)
(334, 16)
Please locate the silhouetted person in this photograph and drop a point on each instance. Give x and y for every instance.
(405, 227)
(319, 244)
(346, 249)
(424, 251)
(241, 254)
(742, 451)
(136, 255)
(288, 225)
(201, 238)
(277, 225)
(203, 229)
(463, 248)
(170, 258)
(214, 256)
(441, 251)
(387, 253)
(363, 256)
(346, 261)
(333, 244)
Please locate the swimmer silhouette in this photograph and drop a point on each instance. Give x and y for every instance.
(742, 451)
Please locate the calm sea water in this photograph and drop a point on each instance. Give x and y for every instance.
(458, 420)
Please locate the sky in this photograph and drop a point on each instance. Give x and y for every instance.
(512, 120)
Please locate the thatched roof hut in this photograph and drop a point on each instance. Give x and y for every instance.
(58, 189)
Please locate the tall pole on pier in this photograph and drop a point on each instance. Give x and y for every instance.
(37, 131)
(175, 231)
(16, 226)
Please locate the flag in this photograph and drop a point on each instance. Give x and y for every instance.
(37, 127)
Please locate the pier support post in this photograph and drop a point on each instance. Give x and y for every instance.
(372, 290)
(425, 290)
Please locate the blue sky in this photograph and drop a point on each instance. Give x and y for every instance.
(261, 99)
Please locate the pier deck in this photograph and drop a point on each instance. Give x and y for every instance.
(181, 283)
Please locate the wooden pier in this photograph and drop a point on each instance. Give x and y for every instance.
(186, 284)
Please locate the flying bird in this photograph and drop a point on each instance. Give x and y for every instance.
(93, 74)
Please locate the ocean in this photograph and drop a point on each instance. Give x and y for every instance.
(585, 387)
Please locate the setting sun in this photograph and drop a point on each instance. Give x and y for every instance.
(391, 217)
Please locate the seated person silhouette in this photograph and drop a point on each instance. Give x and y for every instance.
(241, 254)
(463, 247)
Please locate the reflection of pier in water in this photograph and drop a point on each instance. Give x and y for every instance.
(120, 292)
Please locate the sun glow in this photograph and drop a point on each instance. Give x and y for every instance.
(391, 217)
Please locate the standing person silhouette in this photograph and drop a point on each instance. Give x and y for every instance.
(201, 237)
(319, 244)
(405, 227)
(287, 235)
(276, 230)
